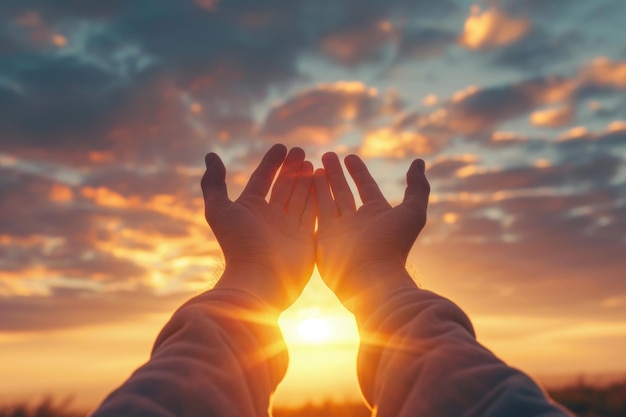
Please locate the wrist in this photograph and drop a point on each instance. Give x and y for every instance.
(378, 282)
(255, 280)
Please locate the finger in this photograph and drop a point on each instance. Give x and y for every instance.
(298, 199)
(418, 189)
(326, 207)
(262, 177)
(213, 183)
(337, 180)
(365, 183)
(286, 181)
(310, 210)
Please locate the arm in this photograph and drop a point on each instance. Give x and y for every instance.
(418, 353)
(222, 353)
(214, 357)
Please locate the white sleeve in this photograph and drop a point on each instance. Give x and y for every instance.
(219, 355)
(419, 357)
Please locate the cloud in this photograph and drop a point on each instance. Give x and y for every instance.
(320, 114)
(46, 104)
(512, 253)
(593, 172)
(356, 45)
(580, 139)
(474, 111)
(111, 230)
(447, 167)
(537, 50)
(207, 4)
(491, 28)
(391, 143)
(65, 308)
(424, 42)
(553, 117)
(106, 109)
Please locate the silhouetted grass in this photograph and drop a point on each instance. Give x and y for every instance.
(583, 399)
(326, 409)
(586, 400)
(45, 408)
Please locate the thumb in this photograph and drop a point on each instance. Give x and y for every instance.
(213, 183)
(417, 188)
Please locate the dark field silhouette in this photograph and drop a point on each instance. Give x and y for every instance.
(585, 400)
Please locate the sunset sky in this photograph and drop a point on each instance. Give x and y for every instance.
(108, 107)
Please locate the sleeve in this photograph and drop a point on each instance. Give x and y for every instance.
(419, 357)
(221, 354)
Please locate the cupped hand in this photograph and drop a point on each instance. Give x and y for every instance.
(269, 247)
(361, 254)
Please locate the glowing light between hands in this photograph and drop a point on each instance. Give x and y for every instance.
(315, 330)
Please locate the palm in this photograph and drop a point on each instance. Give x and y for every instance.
(253, 231)
(270, 245)
(351, 241)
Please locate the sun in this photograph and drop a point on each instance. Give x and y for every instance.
(314, 330)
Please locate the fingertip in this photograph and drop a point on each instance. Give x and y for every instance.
(307, 167)
(417, 168)
(353, 163)
(329, 157)
(278, 146)
(416, 178)
(277, 153)
(297, 152)
(319, 172)
(421, 165)
(209, 158)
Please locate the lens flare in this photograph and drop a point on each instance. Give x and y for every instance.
(314, 330)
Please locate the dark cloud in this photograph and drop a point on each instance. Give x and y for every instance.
(538, 50)
(145, 55)
(479, 110)
(320, 114)
(422, 43)
(542, 277)
(145, 185)
(516, 254)
(593, 172)
(57, 102)
(66, 307)
(368, 27)
(448, 167)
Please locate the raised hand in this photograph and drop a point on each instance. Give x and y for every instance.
(361, 254)
(269, 248)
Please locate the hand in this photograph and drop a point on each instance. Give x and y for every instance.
(361, 254)
(269, 247)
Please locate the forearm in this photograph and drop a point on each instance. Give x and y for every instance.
(221, 354)
(419, 356)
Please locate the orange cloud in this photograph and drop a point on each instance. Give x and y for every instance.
(617, 126)
(108, 198)
(207, 4)
(39, 31)
(61, 193)
(388, 143)
(553, 117)
(606, 73)
(576, 132)
(491, 28)
(505, 136)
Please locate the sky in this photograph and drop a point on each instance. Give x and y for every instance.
(107, 108)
